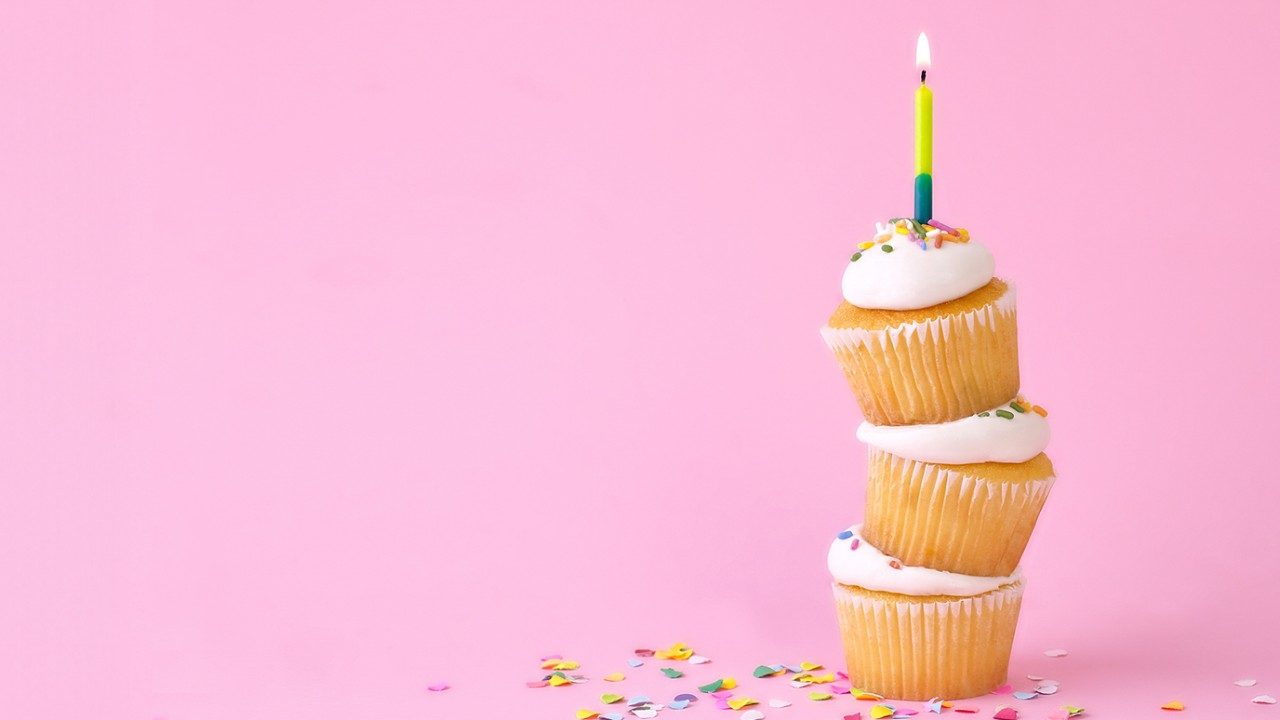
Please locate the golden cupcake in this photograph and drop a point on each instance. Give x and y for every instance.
(961, 496)
(926, 333)
(915, 633)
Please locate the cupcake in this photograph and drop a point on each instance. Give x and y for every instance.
(926, 333)
(917, 633)
(960, 496)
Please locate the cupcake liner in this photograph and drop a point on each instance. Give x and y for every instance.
(917, 648)
(969, 519)
(934, 370)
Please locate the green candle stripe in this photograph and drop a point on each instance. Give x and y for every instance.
(924, 197)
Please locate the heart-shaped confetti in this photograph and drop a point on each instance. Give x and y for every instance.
(1006, 713)
(819, 696)
(935, 706)
(610, 698)
(752, 715)
(587, 714)
(881, 711)
(438, 687)
(1055, 652)
(678, 704)
(777, 703)
(1021, 695)
(1246, 682)
(763, 671)
(1264, 700)
(687, 697)
(739, 703)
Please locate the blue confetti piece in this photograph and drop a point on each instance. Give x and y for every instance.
(1026, 695)
(678, 704)
(635, 663)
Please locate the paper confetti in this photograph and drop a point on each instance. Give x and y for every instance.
(819, 696)
(712, 686)
(864, 695)
(1006, 713)
(1264, 700)
(537, 683)
(810, 667)
(635, 662)
(778, 703)
(610, 698)
(1173, 705)
(558, 679)
(966, 709)
(739, 703)
(438, 687)
(678, 704)
(643, 652)
(1003, 690)
(615, 677)
(765, 671)
(645, 713)
(679, 651)
(672, 673)
(687, 697)
(752, 715)
(1073, 710)
(935, 706)
(612, 716)
(855, 716)
(1047, 688)
(1246, 682)
(699, 660)
(1021, 695)
(587, 714)
(881, 711)
(1055, 652)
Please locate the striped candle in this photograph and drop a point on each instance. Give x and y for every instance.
(924, 136)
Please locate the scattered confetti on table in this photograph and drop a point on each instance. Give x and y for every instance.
(1264, 700)
(438, 687)
(1173, 705)
(1056, 652)
(1246, 682)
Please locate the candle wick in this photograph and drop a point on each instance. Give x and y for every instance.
(922, 74)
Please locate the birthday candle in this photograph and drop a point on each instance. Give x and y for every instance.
(924, 136)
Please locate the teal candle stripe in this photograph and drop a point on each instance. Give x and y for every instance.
(924, 198)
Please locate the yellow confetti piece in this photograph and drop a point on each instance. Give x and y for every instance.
(559, 680)
(819, 696)
(729, 684)
(864, 695)
(1173, 705)
(739, 703)
(829, 677)
(610, 698)
(881, 711)
(587, 714)
(809, 667)
(615, 677)
(560, 665)
(679, 651)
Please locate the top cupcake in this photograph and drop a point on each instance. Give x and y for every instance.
(909, 265)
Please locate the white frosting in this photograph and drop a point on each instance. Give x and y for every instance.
(866, 567)
(908, 277)
(1002, 310)
(974, 439)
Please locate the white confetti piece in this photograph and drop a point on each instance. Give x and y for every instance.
(1264, 700)
(1246, 682)
(752, 715)
(776, 703)
(1055, 652)
(699, 660)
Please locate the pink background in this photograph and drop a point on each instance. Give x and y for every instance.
(354, 346)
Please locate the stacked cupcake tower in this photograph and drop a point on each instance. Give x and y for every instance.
(928, 588)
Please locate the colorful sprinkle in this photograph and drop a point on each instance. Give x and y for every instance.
(887, 248)
(895, 564)
(1039, 411)
(984, 414)
(1017, 407)
(1004, 414)
(854, 545)
(855, 257)
(635, 662)
(940, 226)
(865, 245)
(844, 535)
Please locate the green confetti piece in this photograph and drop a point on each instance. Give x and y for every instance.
(712, 686)
(762, 671)
(886, 248)
(672, 673)
(1005, 414)
(855, 257)
(1017, 407)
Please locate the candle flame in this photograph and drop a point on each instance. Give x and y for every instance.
(922, 52)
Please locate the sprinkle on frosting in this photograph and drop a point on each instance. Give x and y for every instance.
(938, 263)
(862, 565)
(1002, 435)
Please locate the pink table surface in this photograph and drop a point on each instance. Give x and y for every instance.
(352, 346)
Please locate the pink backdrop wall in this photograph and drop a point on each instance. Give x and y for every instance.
(352, 346)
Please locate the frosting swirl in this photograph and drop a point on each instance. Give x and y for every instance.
(854, 561)
(1012, 433)
(901, 271)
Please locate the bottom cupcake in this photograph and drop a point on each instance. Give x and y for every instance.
(914, 633)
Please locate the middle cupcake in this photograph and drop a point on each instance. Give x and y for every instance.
(960, 496)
